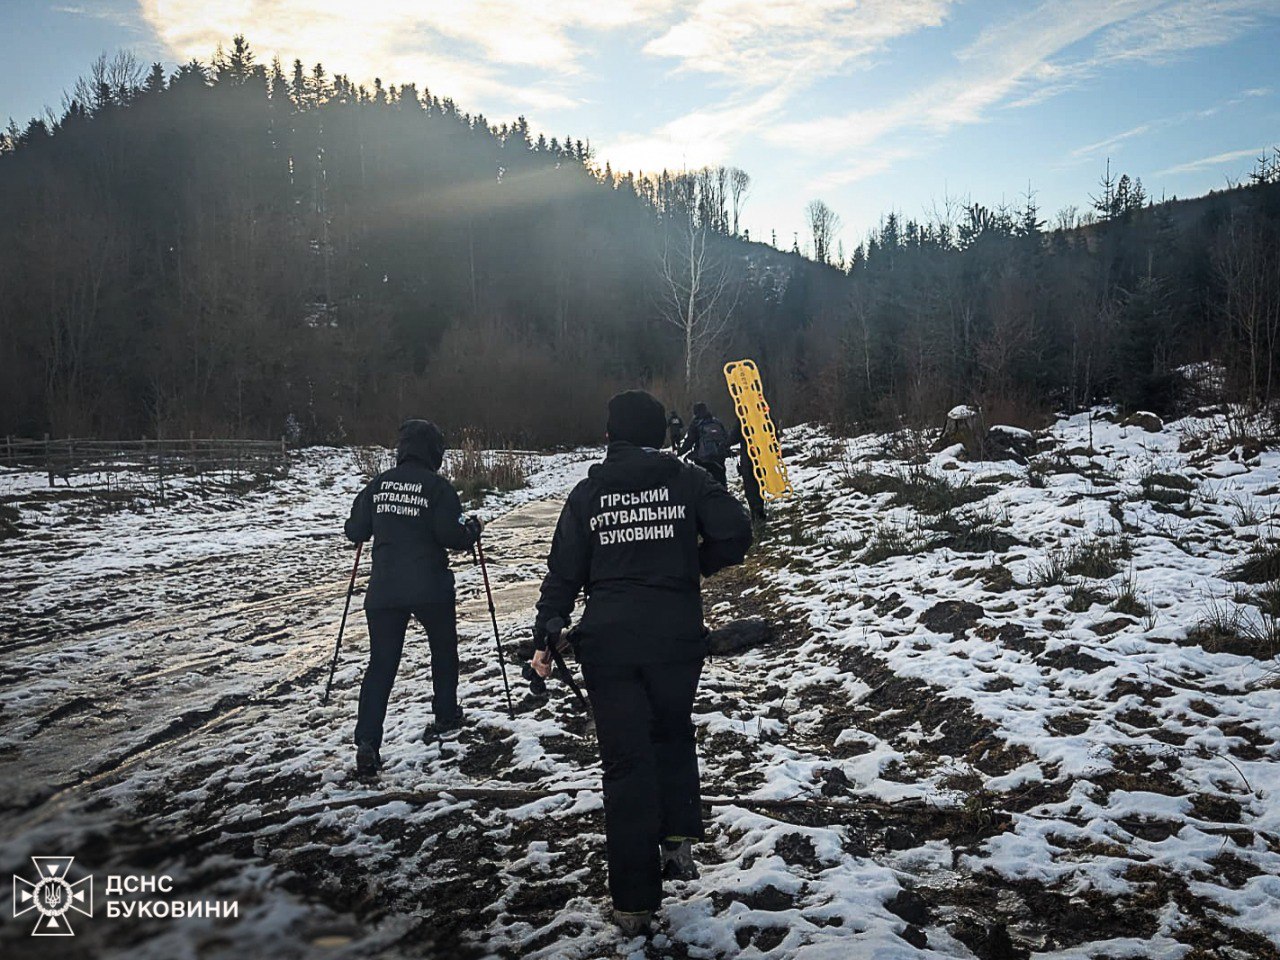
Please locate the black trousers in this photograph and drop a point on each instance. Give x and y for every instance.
(751, 487)
(386, 643)
(716, 469)
(644, 724)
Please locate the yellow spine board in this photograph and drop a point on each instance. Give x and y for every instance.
(761, 438)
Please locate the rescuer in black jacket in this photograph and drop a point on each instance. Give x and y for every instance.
(637, 536)
(675, 426)
(707, 443)
(413, 514)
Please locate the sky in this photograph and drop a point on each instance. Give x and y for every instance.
(870, 105)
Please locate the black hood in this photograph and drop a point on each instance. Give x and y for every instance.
(628, 467)
(420, 440)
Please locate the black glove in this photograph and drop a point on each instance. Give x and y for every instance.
(475, 525)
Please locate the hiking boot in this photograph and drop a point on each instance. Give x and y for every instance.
(633, 923)
(677, 860)
(442, 725)
(368, 760)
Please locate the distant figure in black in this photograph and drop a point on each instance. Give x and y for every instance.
(636, 537)
(746, 470)
(413, 514)
(676, 427)
(707, 443)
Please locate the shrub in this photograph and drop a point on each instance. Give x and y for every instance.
(916, 486)
(1261, 566)
(977, 530)
(1245, 511)
(908, 443)
(863, 479)
(371, 461)
(475, 471)
(1081, 597)
(1099, 557)
(1227, 628)
(1052, 570)
(1125, 599)
(894, 540)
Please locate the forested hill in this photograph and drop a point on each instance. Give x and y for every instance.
(225, 248)
(244, 249)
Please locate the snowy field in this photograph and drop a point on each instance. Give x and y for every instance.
(1010, 710)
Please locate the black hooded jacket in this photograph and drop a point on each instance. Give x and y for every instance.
(637, 536)
(694, 436)
(413, 514)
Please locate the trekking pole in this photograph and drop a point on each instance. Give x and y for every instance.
(493, 616)
(555, 628)
(338, 647)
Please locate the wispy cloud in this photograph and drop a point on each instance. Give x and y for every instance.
(780, 47)
(1217, 160)
(999, 63)
(1110, 143)
(760, 43)
(101, 11)
(1107, 145)
(699, 138)
(1171, 29)
(1017, 63)
(868, 164)
(1160, 33)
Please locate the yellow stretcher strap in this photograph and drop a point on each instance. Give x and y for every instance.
(758, 433)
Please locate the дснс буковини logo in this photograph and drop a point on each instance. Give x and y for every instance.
(52, 896)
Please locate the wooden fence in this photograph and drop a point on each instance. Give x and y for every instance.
(157, 459)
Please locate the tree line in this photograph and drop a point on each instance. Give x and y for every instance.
(245, 249)
(1123, 303)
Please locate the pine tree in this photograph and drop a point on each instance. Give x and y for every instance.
(298, 86)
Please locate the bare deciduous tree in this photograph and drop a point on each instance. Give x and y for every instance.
(739, 187)
(823, 224)
(698, 293)
(111, 80)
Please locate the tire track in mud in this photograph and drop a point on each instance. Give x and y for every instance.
(54, 630)
(145, 688)
(189, 726)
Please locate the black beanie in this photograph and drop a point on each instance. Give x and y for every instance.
(637, 417)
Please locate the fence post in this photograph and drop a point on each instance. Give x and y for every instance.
(160, 460)
(48, 459)
(197, 472)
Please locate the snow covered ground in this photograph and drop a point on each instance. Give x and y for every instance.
(1010, 710)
